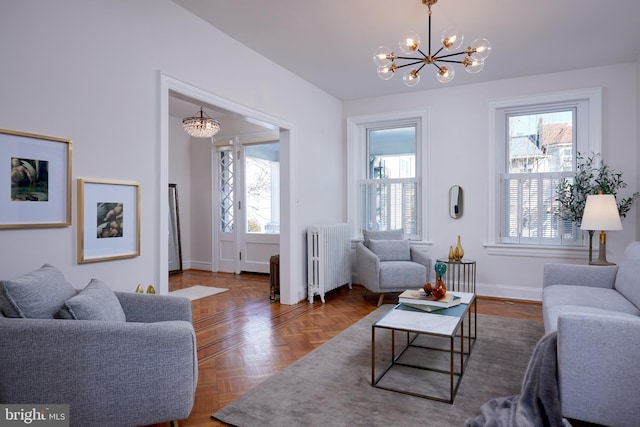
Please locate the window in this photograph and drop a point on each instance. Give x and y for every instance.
(537, 143)
(390, 191)
(262, 182)
(385, 174)
(226, 169)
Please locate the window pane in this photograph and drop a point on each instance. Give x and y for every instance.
(541, 142)
(226, 189)
(392, 153)
(540, 149)
(389, 195)
(262, 175)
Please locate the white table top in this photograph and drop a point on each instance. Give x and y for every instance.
(425, 322)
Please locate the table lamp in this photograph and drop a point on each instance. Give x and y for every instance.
(601, 213)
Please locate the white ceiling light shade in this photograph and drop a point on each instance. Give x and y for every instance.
(201, 126)
(451, 40)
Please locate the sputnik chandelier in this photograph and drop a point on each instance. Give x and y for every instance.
(201, 126)
(475, 54)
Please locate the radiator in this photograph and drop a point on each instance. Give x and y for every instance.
(328, 258)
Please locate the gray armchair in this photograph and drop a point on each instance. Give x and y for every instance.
(112, 373)
(385, 263)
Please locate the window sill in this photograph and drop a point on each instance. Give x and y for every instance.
(536, 251)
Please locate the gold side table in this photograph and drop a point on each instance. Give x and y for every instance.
(460, 275)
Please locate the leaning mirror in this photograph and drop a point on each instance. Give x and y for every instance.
(455, 202)
(175, 249)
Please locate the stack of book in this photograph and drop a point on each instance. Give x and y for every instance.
(420, 300)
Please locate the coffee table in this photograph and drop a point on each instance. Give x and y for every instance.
(446, 324)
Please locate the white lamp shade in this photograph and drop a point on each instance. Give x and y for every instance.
(601, 213)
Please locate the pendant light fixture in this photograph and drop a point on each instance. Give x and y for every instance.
(473, 61)
(201, 126)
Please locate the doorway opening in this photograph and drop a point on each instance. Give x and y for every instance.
(172, 90)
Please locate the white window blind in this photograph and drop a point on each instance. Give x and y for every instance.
(530, 210)
(389, 204)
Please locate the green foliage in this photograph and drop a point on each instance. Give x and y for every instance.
(253, 226)
(591, 177)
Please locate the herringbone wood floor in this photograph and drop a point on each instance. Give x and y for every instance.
(243, 338)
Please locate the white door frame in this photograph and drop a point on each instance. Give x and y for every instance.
(288, 220)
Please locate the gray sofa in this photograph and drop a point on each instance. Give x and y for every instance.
(596, 313)
(386, 262)
(118, 359)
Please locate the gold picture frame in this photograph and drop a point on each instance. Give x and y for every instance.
(39, 194)
(108, 220)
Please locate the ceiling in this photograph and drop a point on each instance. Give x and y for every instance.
(231, 124)
(330, 43)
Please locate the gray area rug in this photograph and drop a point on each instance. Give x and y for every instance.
(331, 386)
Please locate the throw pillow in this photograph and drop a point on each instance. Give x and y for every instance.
(95, 302)
(391, 250)
(35, 295)
(382, 235)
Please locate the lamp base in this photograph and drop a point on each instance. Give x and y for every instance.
(602, 253)
(598, 262)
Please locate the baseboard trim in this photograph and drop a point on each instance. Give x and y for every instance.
(525, 293)
(197, 265)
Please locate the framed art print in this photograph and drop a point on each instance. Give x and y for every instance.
(37, 180)
(108, 220)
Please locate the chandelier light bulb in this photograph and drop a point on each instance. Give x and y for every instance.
(411, 77)
(451, 40)
(386, 72)
(445, 75)
(383, 56)
(473, 66)
(409, 42)
(480, 49)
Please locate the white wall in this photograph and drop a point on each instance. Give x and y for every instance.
(458, 135)
(201, 167)
(180, 174)
(89, 71)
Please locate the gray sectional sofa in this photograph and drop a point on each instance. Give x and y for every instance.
(596, 313)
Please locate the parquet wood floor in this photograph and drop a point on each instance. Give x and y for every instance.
(243, 338)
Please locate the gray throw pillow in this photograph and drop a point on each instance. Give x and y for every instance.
(35, 295)
(95, 302)
(391, 250)
(382, 235)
